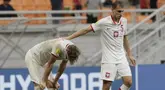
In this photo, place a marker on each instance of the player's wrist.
(129, 54)
(55, 81)
(42, 84)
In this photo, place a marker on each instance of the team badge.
(115, 33)
(107, 74)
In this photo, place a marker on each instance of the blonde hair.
(73, 53)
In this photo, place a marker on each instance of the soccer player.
(45, 54)
(114, 44)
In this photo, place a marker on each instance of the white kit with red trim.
(112, 34)
(57, 47)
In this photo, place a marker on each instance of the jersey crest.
(115, 33)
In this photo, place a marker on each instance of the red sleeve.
(92, 28)
(54, 55)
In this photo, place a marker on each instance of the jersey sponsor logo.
(87, 79)
(107, 74)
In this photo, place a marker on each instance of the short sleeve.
(97, 26)
(56, 50)
(125, 27)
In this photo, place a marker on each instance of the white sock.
(110, 88)
(37, 88)
(124, 87)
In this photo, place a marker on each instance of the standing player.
(46, 53)
(114, 41)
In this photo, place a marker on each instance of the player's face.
(117, 12)
(71, 55)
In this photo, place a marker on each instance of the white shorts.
(36, 71)
(112, 71)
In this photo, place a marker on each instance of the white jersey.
(112, 35)
(57, 47)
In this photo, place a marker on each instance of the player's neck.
(115, 19)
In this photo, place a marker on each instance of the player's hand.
(57, 85)
(42, 85)
(133, 61)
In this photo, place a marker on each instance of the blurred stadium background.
(39, 20)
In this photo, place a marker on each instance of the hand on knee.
(37, 87)
(51, 89)
(50, 84)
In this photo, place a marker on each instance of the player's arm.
(60, 71)
(93, 27)
(127, 46)
(80, 33)
(48, 67)
(128, 50)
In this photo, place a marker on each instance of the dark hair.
(115, 4)
(73, 53)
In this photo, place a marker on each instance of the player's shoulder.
(104, 20)
(60, 40)
(123, 19)
(68, 42)
(63, 41)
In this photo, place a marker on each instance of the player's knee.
(128, 83)
(50, 84)
(106, 84)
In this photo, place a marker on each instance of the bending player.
(40, 59)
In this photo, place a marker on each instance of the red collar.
(114, 20)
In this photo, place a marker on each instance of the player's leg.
(106, 85)
(36, 86)
(124, 71)
(50, 84)
(51, 89)
(34, 70)
(127, 82)
(36, 81)
(108, 73)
